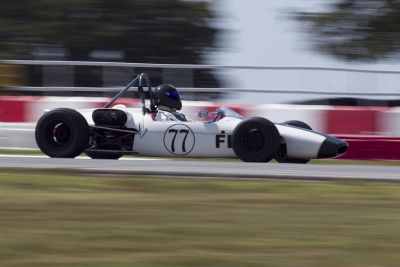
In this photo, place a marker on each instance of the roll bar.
(141, 92)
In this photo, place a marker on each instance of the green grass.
(56, 219)
(327, 162)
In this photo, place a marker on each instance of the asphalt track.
(205, 169)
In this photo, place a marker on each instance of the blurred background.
(163, 32)
(357, 35)
(331, 63)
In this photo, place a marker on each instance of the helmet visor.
(172, 95)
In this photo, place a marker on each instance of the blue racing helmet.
(167, 95)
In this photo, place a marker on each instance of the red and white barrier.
(369, 147)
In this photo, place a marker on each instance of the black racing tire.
(95, 155)
(256, 140)
(62, 133)
(299, 124)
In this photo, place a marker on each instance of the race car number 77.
(173, 139)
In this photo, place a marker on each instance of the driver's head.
(166, 95)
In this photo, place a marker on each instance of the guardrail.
(190, 66)
(180, 66)
(196, 90)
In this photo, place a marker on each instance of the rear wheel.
(256, 140)
(62, 133)
(282, 155)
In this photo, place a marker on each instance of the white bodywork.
(204, 139)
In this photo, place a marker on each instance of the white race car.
(109, 133)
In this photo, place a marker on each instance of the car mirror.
(203, 114)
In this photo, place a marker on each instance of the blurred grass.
(318, 161)
(58, 219)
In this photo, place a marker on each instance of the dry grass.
(53, 219)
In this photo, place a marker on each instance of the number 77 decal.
(173, 139)
(184, 139)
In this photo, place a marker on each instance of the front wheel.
(62, 133)
(256, 140)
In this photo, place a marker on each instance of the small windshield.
(230, 113)
(222, 112)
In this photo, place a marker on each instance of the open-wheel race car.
(111, 132)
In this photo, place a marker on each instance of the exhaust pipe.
(332, 147)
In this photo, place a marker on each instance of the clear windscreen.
(231, 113)
(224, 111)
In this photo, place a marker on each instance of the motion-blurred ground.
(54, 219)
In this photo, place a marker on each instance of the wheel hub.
(61, 134)
(254, 140)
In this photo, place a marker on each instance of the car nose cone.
(332, 147)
